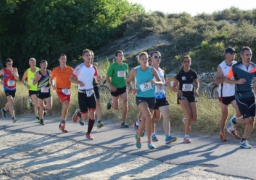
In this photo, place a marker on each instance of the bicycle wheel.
(215, 93)
(104, 94)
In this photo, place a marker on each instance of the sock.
(90, 126)
(186, 136)
(63, 121)
(13, 117)
(98, 121)
(137, 124)
(153, 134)
(167, 135)
(234, 121)
(37, 117)
(243, 139)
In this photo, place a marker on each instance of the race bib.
(145, 86)
(121, 73)
(11, 83)
(159, 89)
(31, 80)
(187, 87)
(44, 89)
(66, 91)
(89, 92)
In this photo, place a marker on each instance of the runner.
(83, 75)
(186, 94)
(29, 74)
(226, 92)
(145, 95)
(62, 75)
(161, 105)
(10, 76)
(118, 72)
(42, 79)
(243, 72)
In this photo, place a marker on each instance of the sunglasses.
(157, 57)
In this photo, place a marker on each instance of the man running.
(243, 73)
(62, 75)
(83, 75)
(29, 74)
(226, 92)
(118, 72)
(42, 79)
(161, 105)
(10, 76)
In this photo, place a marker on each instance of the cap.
(230, 50)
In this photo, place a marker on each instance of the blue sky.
(194, 7)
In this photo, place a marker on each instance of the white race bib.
(66, 91)
(31, 80)
(121, 73)
(145, 86)
(11, 83)
(187, 87)
(44, 89)
(89, 92)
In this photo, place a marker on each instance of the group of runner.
(234, 80)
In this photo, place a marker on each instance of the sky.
(194, 7)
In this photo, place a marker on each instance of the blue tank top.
(145, 88)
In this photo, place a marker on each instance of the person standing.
(118, 72)
(226, 91)
(42, 79)
(10, 76)
(29, 74)
(83, 75)
(62, 85)
(243, 73)
(186, 79)
(161, 105)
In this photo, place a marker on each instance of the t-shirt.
(118, 74)
(85, 75)
(9, 80)
(62, 77)
(239, 71)
(186, 81)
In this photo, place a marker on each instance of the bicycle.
(210, 90)
(104, 90)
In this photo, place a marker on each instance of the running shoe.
(45, 112)
(170, 139)
(89, 137)
(100, 124)
(230, 126)
(223, 137)
(41, 122)
(124, 125)
(76, 115)
(109, 104)
(235, 134)
(14, 119)
(3, 112)
(186, 140)
(136, 127)
(81, 122)
(62, 127)
(244, 144)
(138, 142)
(154, 138)
(29, 103)
(151, 145)
(183, 120)
(37, 119)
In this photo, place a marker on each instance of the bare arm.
(36, 79)
(158, 80)
(230, 81)
(24, 77)
(219, 76)
(129, 79)
(74, 80)
(175, 89)
(15, 74)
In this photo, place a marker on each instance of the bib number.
(121, 73)
(145, 86)
(187, 87)
(11, 83)
(44, 89)
(31, 80)
(89, 92)
(66, 91)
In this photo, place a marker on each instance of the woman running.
(186, 79)
(145, 95)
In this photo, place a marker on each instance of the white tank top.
(225, 89)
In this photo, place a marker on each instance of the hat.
(230, 50)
